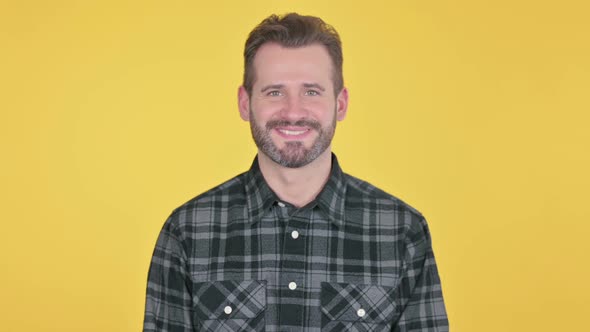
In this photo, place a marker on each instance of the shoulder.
(362, 193)
(364, 197)
(225, 198)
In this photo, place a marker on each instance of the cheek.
(323, 109)
(261, 112)
(267, 105)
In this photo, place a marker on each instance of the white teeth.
(292, 132)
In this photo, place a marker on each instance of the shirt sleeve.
(168, 306)
(420, 288)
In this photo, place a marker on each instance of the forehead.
(275, 62)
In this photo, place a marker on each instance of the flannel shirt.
(237, 258)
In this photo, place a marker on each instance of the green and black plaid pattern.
(239, 303)
(342, 302)
(236, 258)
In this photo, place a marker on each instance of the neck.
(297, 186)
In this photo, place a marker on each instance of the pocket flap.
(350, 302)
(229, 299)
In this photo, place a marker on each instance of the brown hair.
(293, 30)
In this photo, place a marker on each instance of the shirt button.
(361, 312)
(294, 234)
(281, 204)
(292, 285)
(227, 310)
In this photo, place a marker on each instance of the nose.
(294, 109)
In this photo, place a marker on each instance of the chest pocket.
(230, 306)
(350, 307)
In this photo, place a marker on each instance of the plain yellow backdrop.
(115, 112)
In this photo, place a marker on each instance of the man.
(294, 244)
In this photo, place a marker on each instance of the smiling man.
(294, 243)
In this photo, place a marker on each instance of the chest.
(306, 244)
(289, 271)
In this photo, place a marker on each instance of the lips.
(298, 130)
(292, 133)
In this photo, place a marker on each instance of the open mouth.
(291, 133)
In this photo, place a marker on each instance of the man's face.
(292, 108)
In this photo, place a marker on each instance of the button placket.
(293, 266)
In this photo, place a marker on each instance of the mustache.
(299, 123)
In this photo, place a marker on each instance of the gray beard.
(294, 154)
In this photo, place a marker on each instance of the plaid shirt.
(236, 258)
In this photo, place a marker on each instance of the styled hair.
(293, 30)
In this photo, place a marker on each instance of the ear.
(244, 103)
(342, 104)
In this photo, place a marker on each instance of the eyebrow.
(314, 85)
(272, 86)
(280, 86)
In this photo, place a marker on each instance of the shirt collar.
(330, 200)
(333, 196)
(259, 196)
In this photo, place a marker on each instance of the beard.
(294, 154)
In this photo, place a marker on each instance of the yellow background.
(474, 112)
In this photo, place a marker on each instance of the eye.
(312, 93)
(274, 93)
